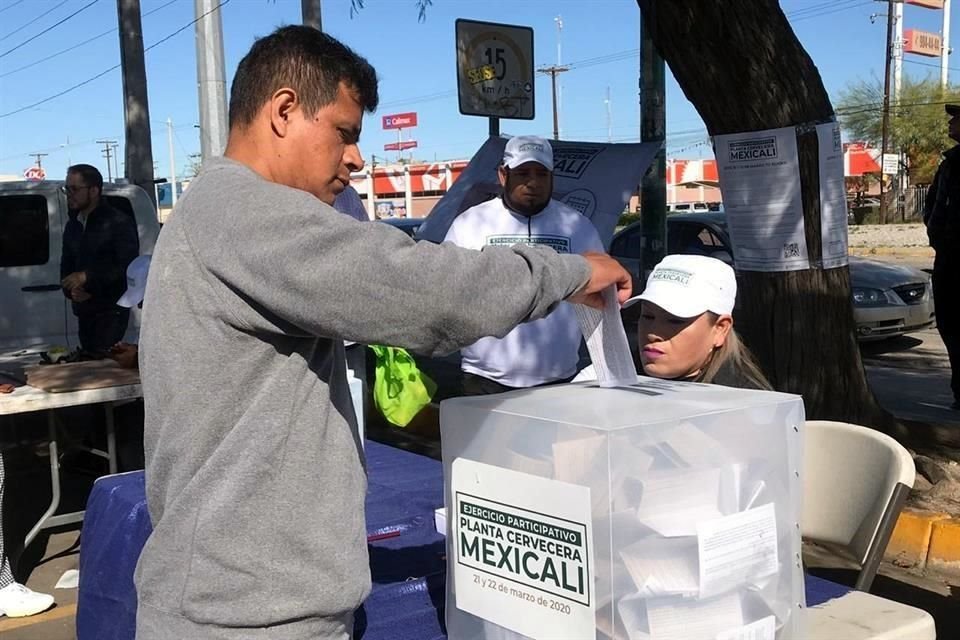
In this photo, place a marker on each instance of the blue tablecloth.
(408, 571)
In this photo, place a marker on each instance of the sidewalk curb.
(926, 540)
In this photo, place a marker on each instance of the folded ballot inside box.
(660, 511)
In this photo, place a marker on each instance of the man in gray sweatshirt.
(255, 480)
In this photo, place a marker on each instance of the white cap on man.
(136, 282)
(523, 149)
(686, 286)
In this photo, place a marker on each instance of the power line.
(928, 64)
(824, 8)
(42, 15)
(11, 6)
(50, 28)
(114, 67)
(78, 45)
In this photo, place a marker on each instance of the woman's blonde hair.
(735, 354)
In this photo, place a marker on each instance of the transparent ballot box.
(659, 511)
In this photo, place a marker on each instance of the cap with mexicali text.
(523, 149)
(686, 286)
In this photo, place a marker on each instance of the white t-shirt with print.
(536, 352)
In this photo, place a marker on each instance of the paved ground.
(909, 377)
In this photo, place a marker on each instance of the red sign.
(929, 4)
(400, 146)
(400, 121)
(35, 174)
(921, 43)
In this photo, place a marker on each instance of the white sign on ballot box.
(524, 555)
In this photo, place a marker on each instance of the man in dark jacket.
(98, 244)
(942, 216)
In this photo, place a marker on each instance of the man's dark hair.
(90, 174)
(308, 61)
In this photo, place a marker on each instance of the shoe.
(17, 601)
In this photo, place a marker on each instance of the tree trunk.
(740, 64)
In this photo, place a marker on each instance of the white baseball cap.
(136, 282)
(686, 286)
(523, 149)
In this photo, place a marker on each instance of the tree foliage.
(918, 124)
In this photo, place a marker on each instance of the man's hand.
(604, 271)
(124, 354)
(73, 286)
(75, 280)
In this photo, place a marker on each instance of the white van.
(33, 310)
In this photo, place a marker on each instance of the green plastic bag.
(400, 389)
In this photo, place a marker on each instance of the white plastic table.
(862, 616)
(25, 399)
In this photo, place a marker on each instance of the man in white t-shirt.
(547, 350)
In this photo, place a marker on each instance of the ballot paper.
(607, 341)
(633, 615)
(689, 619)
(663, 566)
(737, 549)
(578, 460)
(676, 500)
(688, 446)
(764, 629)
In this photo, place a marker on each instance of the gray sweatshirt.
(255, 480)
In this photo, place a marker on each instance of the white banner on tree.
(596, 179)
(833, 197)
(760, 181)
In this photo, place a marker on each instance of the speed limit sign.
(495, 70)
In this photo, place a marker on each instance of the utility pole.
(945, 44)
(310, 10)
(552, 71)
(173, 163)
(609, 117)
(108, 153)
(653, 127)
(559, 99)
(897, 50)
(211, 79)
(116, 159)
(138, 146)
(885, 122)
(38, 156)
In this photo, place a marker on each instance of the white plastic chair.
(854, 485)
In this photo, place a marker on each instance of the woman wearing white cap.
(685, 331)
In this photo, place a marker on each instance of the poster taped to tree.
(833, 197)
(760, 182)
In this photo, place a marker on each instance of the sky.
(415, 61)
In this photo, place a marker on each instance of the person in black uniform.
(98, 244)
(942, 216)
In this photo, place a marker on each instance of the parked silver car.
(888, 300)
